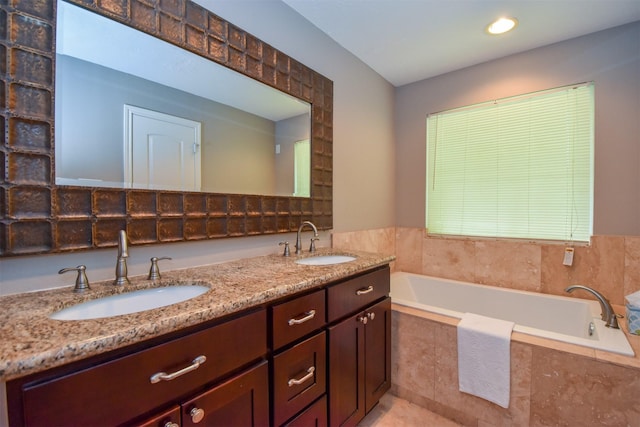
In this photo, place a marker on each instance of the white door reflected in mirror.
(161, 150)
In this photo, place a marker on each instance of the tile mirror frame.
(36, 216)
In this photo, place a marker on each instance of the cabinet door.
(378, 352)
(241, 401)
(346, 372)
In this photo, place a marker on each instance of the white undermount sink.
(326, 260)
(129, 302)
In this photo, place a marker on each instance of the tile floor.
(392, 411)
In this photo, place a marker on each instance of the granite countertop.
(32, 342)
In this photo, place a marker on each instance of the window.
(302, 168)
(519, 167)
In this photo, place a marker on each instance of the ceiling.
(409, 40)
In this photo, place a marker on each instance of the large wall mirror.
(240, 144)
(188, 124)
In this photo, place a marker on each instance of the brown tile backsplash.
(29, 169)
(30, 101)
(29, 135)
(31, 67)
(195, 204)
(27, 189)
(170, 204)
(28, 31)
(142, 203)
(24, 235)
(105, 232)
(170, 230)
(29, 202)
(195, 228)
(73, 234)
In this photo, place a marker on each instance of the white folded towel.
(484, 362)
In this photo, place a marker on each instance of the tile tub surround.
(551, 384)
(31, 342)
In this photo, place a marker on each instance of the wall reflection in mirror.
(133, 111)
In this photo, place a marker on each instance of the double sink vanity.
(272, 340)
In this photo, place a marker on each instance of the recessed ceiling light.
(502, 25)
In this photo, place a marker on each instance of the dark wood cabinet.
(120, 390)
(299, 377)
(359, 351)
(299, 361)
(313, 359)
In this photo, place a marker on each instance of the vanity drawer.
(299, 377)
(352, 295)
(296, 318)
(116, 391)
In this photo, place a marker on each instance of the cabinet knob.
(363, 319)
(171, 424)
(371, 315)
(197, 415)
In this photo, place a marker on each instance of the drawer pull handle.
(307, 316)
(365, 290)
(309, 375)
(163, 376)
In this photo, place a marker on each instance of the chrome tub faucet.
(121, 263)
(608, 315)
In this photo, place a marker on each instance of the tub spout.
(608, 315)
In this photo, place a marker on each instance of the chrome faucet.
(121, 264)
(312, 248)
(608, 315)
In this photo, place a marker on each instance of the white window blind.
(519, 167)
(302, 168)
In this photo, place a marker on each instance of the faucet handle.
(287, 252)
(154, 271)
(312, 248)
(82, 282)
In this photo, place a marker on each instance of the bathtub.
(548, 316)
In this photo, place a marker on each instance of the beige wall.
(609, 58)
